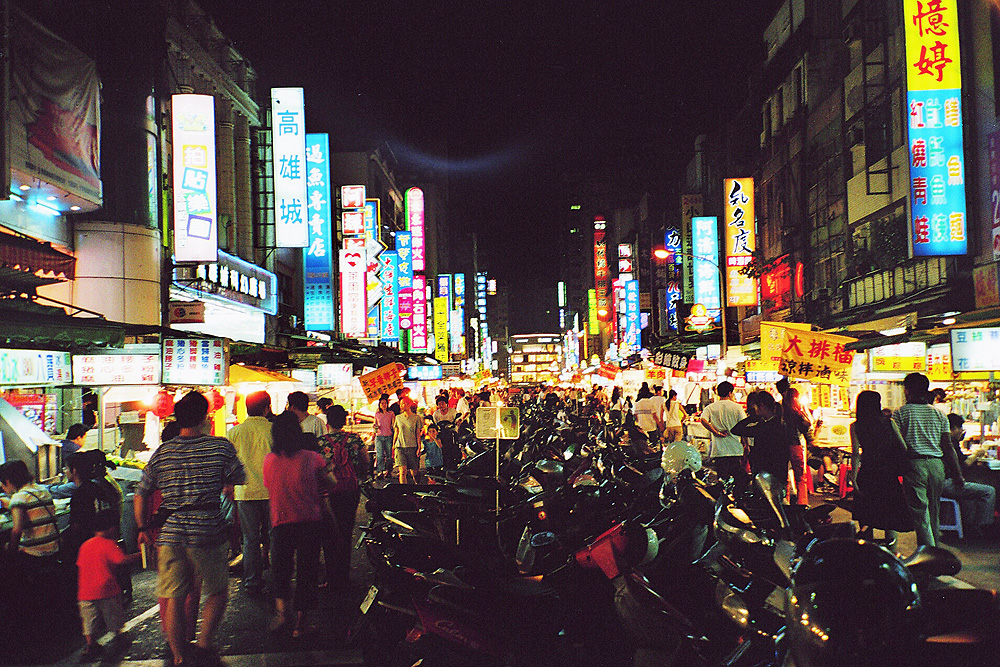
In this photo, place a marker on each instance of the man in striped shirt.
(927, 435)
(192, 472)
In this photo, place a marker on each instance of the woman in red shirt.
(294, 478)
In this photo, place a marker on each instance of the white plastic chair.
(956, 514)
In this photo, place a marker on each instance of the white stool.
(956, 513)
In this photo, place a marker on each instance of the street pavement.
(244, 641)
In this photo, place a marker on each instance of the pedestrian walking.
(298, 403)
(771, 440)
(294, 478)
(407, 428)
(799, 423)
(192, 472)
(252, 441)
(719, 417)
(382, 429)
(347, 460)
(878, 458)
(648, 415)
(99, 595)
(674, 419)
(925, 431)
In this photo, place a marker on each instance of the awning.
(240, 374)
(30, 256)
(24, 323)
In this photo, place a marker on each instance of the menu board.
(34, 368)
(334, 375)
(105, 370)
(194, 362)
(975, 349)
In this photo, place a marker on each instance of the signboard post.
(498, 423)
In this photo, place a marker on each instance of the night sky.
(509, 95)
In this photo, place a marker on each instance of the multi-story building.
(535, 358)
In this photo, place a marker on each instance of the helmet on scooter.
(851, 603)
(679, 456)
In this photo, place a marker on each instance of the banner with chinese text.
(817, 357)
(741, 239)
(770, 342)
(384, 380)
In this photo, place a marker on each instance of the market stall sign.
(424, 372)
(901, 357)
(939, 363)
(656, 374)
(609, 371)
(194, 362)
(34, 368)
(975, 349)
(498, 423)
(106, 370)
(817, 357)
(383, 380)
(770, 342)
(334, 375)
(677, 361)
(234, 280)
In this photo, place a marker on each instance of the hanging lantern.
(163, 404)
(215, 400)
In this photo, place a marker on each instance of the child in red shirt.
(98, 592)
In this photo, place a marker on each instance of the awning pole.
(100, 417)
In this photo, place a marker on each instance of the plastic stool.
(956, 513)
(845, 466)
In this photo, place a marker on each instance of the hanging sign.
(34, 368)
(415, 225)
(390, 296)
(289, 145)
(353, 288)
(384, 380)
(107, 370)
(195, 207)
(194, 362)
(705, 234)
(934, 103)
(740, 225)
(318, 260)
(404, 249)
(817, 357)
(770, 342)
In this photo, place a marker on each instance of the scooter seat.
(933, 562)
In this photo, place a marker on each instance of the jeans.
(295, 547)
(337, 546)
(383, 453)
(254, 520)
(977, 501)
(923, 481)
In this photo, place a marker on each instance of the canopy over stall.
(23, 440)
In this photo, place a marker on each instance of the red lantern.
(215, 400)
(163, 405)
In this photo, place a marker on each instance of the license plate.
(369, 599)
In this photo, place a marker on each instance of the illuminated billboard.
(415, 224)
(353, 290)
(601, 271)
(352, 196)
(632, 322)
(373, 248)
(195, 213)
(418, 332)
(741, 239)
(934, 104)
(318, 258)
(404, 277)
(705, 241)
(441, 329)
(593, 326)
(389, 262)
(289, 144)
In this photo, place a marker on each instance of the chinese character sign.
(692, 206)
(373, 248)
(631, 339)
(770, 342)
(390, 296)
(934, 129)
(384, 380)
(816, 357)
(418, 332)
(593, 326)
(404, 248)
(705, 241)
(993, 151)
(195, 213)
(352, 196)
(353, 292)
(194, 362)
(290, 171)
(975, 349)
(318, 258)
(441, 347)
(415, 224)
(740, 221)
(601, 271)
(116, 369)
(899, 358)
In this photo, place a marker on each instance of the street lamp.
(664, 254)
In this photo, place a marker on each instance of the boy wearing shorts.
(98, 591)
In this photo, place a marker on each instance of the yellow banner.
(932, 50)
(441, 329)
(741, 239)
(816, 357)
(656, 373)
(939, 363)
(770, 342)
(383, 380)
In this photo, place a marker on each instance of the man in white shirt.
(298, 403)
(718, 418)
(462, 407)
(252, 440)
(659, 406)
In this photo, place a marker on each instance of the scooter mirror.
(765, 483)
(543, 539)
